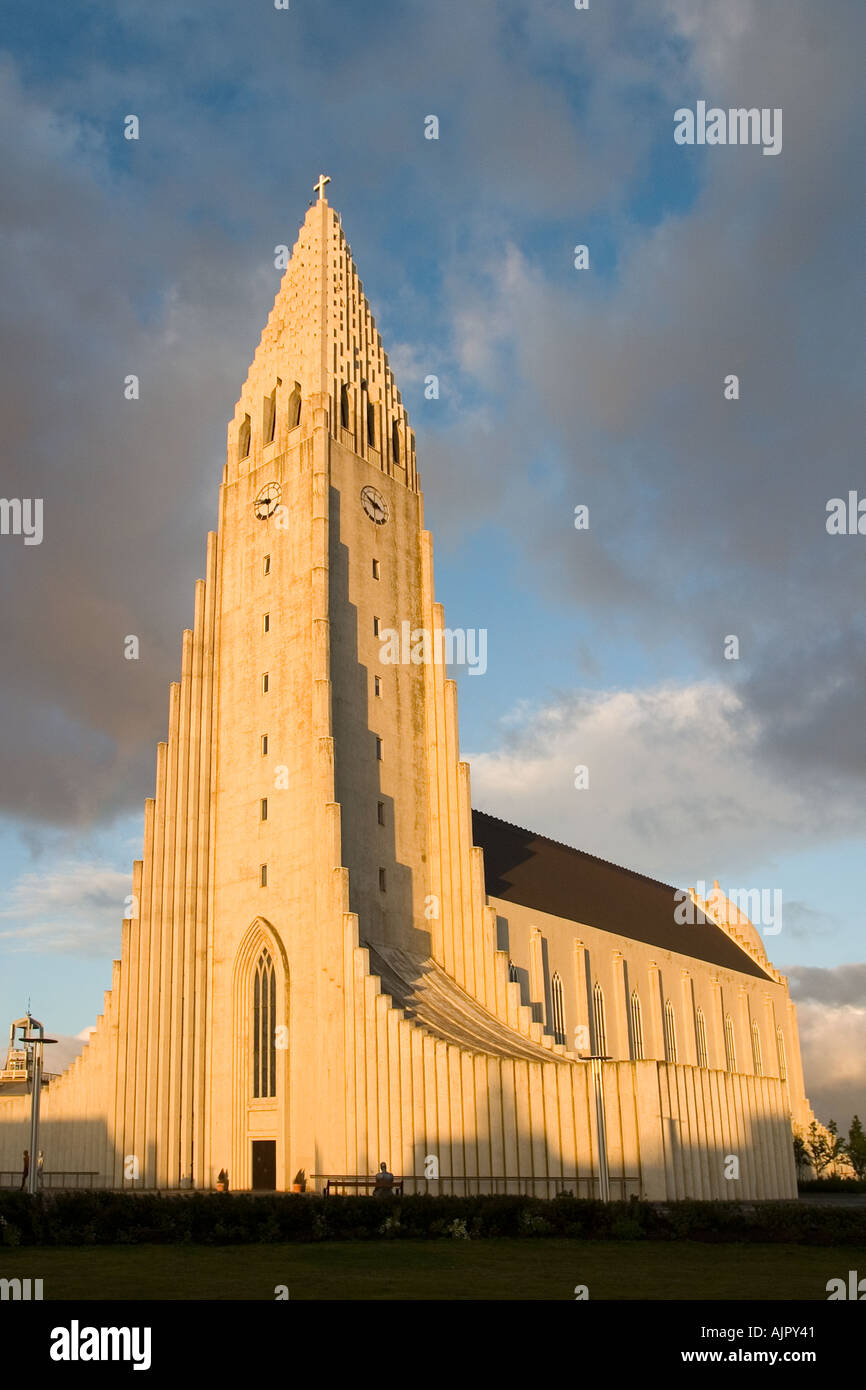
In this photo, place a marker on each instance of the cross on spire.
(320, 186)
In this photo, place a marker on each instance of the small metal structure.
(24, 1064)
(16, 1058)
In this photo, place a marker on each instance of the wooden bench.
(335, 1182)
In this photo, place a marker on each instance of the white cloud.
(76, 909)
(677, 788)
(65, 1050)
(408, 363)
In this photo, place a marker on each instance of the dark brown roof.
(525, 868)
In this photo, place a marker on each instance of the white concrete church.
(334, 961)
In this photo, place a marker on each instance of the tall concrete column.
(716, 1029)
(536, 977)
(655, 1031)
(746, 1062)
(688, 1051)
(770, 1048)
(620, 1008)
(581, 1040)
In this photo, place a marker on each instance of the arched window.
(701, 1035)
(757, 1058)
(269, 418)
(730, 1049)
(293, 411)
(599, 1020)
(264, 1028)
(670, 1033)
(395, 442)
(512, 972)
(344, 407)
(371, 424)
(637, 1050)
(558, 1009)
(244, 438)
(780, 1048)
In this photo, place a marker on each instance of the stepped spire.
(320, 349)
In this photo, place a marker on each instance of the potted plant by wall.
(222, 1181)
(300, 1181)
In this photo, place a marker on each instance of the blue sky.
(557, 387)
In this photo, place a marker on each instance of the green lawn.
(441, 1269)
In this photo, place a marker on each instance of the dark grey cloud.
(840, 984)
(833, 1044)
(707, 515)
(128, 488)
(155, 259)
(805, 923)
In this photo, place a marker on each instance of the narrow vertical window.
(264, 808)
(730, 1049)
(293, 412)
(670, 1033)
(371, 425)
(757, 1057)
(701, 1036)
(265, 683)
(513, 976)
(599, 1019)
(264, 1028)
(375, 569)
(244, 438)
(266, 565)
(269, 418)
(780, 1048)
(395, 442)
(377, 685)
(375, 627)
(266, 622)
(263, 876)
(380, 812)
(558, 1000)
(637, 1048)
(264, 745)
(382, 880)
(344, 407)
(378, 748)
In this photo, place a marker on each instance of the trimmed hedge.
(204, 1218)
(833, 1185)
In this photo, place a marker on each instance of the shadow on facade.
(78, 1153)
(386, 914)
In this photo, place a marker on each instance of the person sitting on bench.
(384, 1181)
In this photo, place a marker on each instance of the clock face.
(267, 501)
(374, 505)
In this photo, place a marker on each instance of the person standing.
(25, 1175)
(40, 1165)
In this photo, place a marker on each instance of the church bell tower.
(323, 775)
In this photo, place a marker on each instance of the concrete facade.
(309, 870)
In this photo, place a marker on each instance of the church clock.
(374, 505)
(267, 501)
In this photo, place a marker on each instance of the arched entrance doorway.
(260, 1067)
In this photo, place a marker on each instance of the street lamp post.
(35, 1039)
